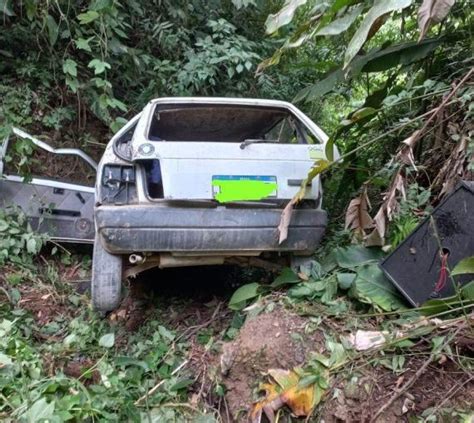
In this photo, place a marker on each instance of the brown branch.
(443, 103)
(412, 380)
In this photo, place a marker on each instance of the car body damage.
(188, 181)
(196, 181)
(62, 210)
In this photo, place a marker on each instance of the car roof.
(224, 101)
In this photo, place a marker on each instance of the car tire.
(106, 279)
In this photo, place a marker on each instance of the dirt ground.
(358, 399)
(274, 338)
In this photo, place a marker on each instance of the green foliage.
(111, 57)
(34, 382)
(372, 287)
(465, 266)
(354, 268)
(412, 208)
(18, 242)
(244, 293)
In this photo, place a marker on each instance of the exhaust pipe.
(136, 259)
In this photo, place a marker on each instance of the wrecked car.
(200, 181)
(188, 181)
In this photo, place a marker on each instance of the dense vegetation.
(391, 82)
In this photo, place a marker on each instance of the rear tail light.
(118, 185)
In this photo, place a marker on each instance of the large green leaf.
(243, 294)
(440, 305)
(377, 60)
(6, 8)
(107, 340)
(356, 255)
(286, 277)
(41, 410)
(345, 280)
(320, 88)
(400, 54)
(53, 29)
(340, 25)
(465, 266)
(284, 16)
(380, 8)
(372, 287)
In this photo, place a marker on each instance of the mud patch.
(442, 389)
(278, 339)
(45, 305)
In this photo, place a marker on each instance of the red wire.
(442, 273)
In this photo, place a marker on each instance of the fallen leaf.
(285, 389)
(318, 167)
(405, 155)
(357, 216)
(432, 11)
(399, 382)
(408, 405)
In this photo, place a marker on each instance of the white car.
(196, 181)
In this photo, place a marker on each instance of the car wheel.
(106, 279)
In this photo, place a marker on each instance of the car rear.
(210, 177)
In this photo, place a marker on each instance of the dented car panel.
(210, 175)
(195, 230)
(62, 210)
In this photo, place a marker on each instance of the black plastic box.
(415, 266)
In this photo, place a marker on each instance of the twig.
(404, 388)
(6, 294)
(156, 387)
(443, 103)
(189, 332)
(453, 391)
(412, 380)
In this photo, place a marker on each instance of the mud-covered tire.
(106, 279)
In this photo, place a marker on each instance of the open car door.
(60, 209)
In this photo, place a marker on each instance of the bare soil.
(267, 341)
(442, 386)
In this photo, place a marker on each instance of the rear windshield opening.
(154, 181)
(218, 123)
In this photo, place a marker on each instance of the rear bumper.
(127, 229)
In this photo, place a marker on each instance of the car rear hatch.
(227, 153)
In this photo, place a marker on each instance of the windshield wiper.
(256, 141)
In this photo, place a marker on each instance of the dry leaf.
(432, 11)
(453, 168)
(285, 390)
(318, 167)
(285, 220)
(399, 382)
(387, 210)
(357, 215)
(405, 155)
(392, 204)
